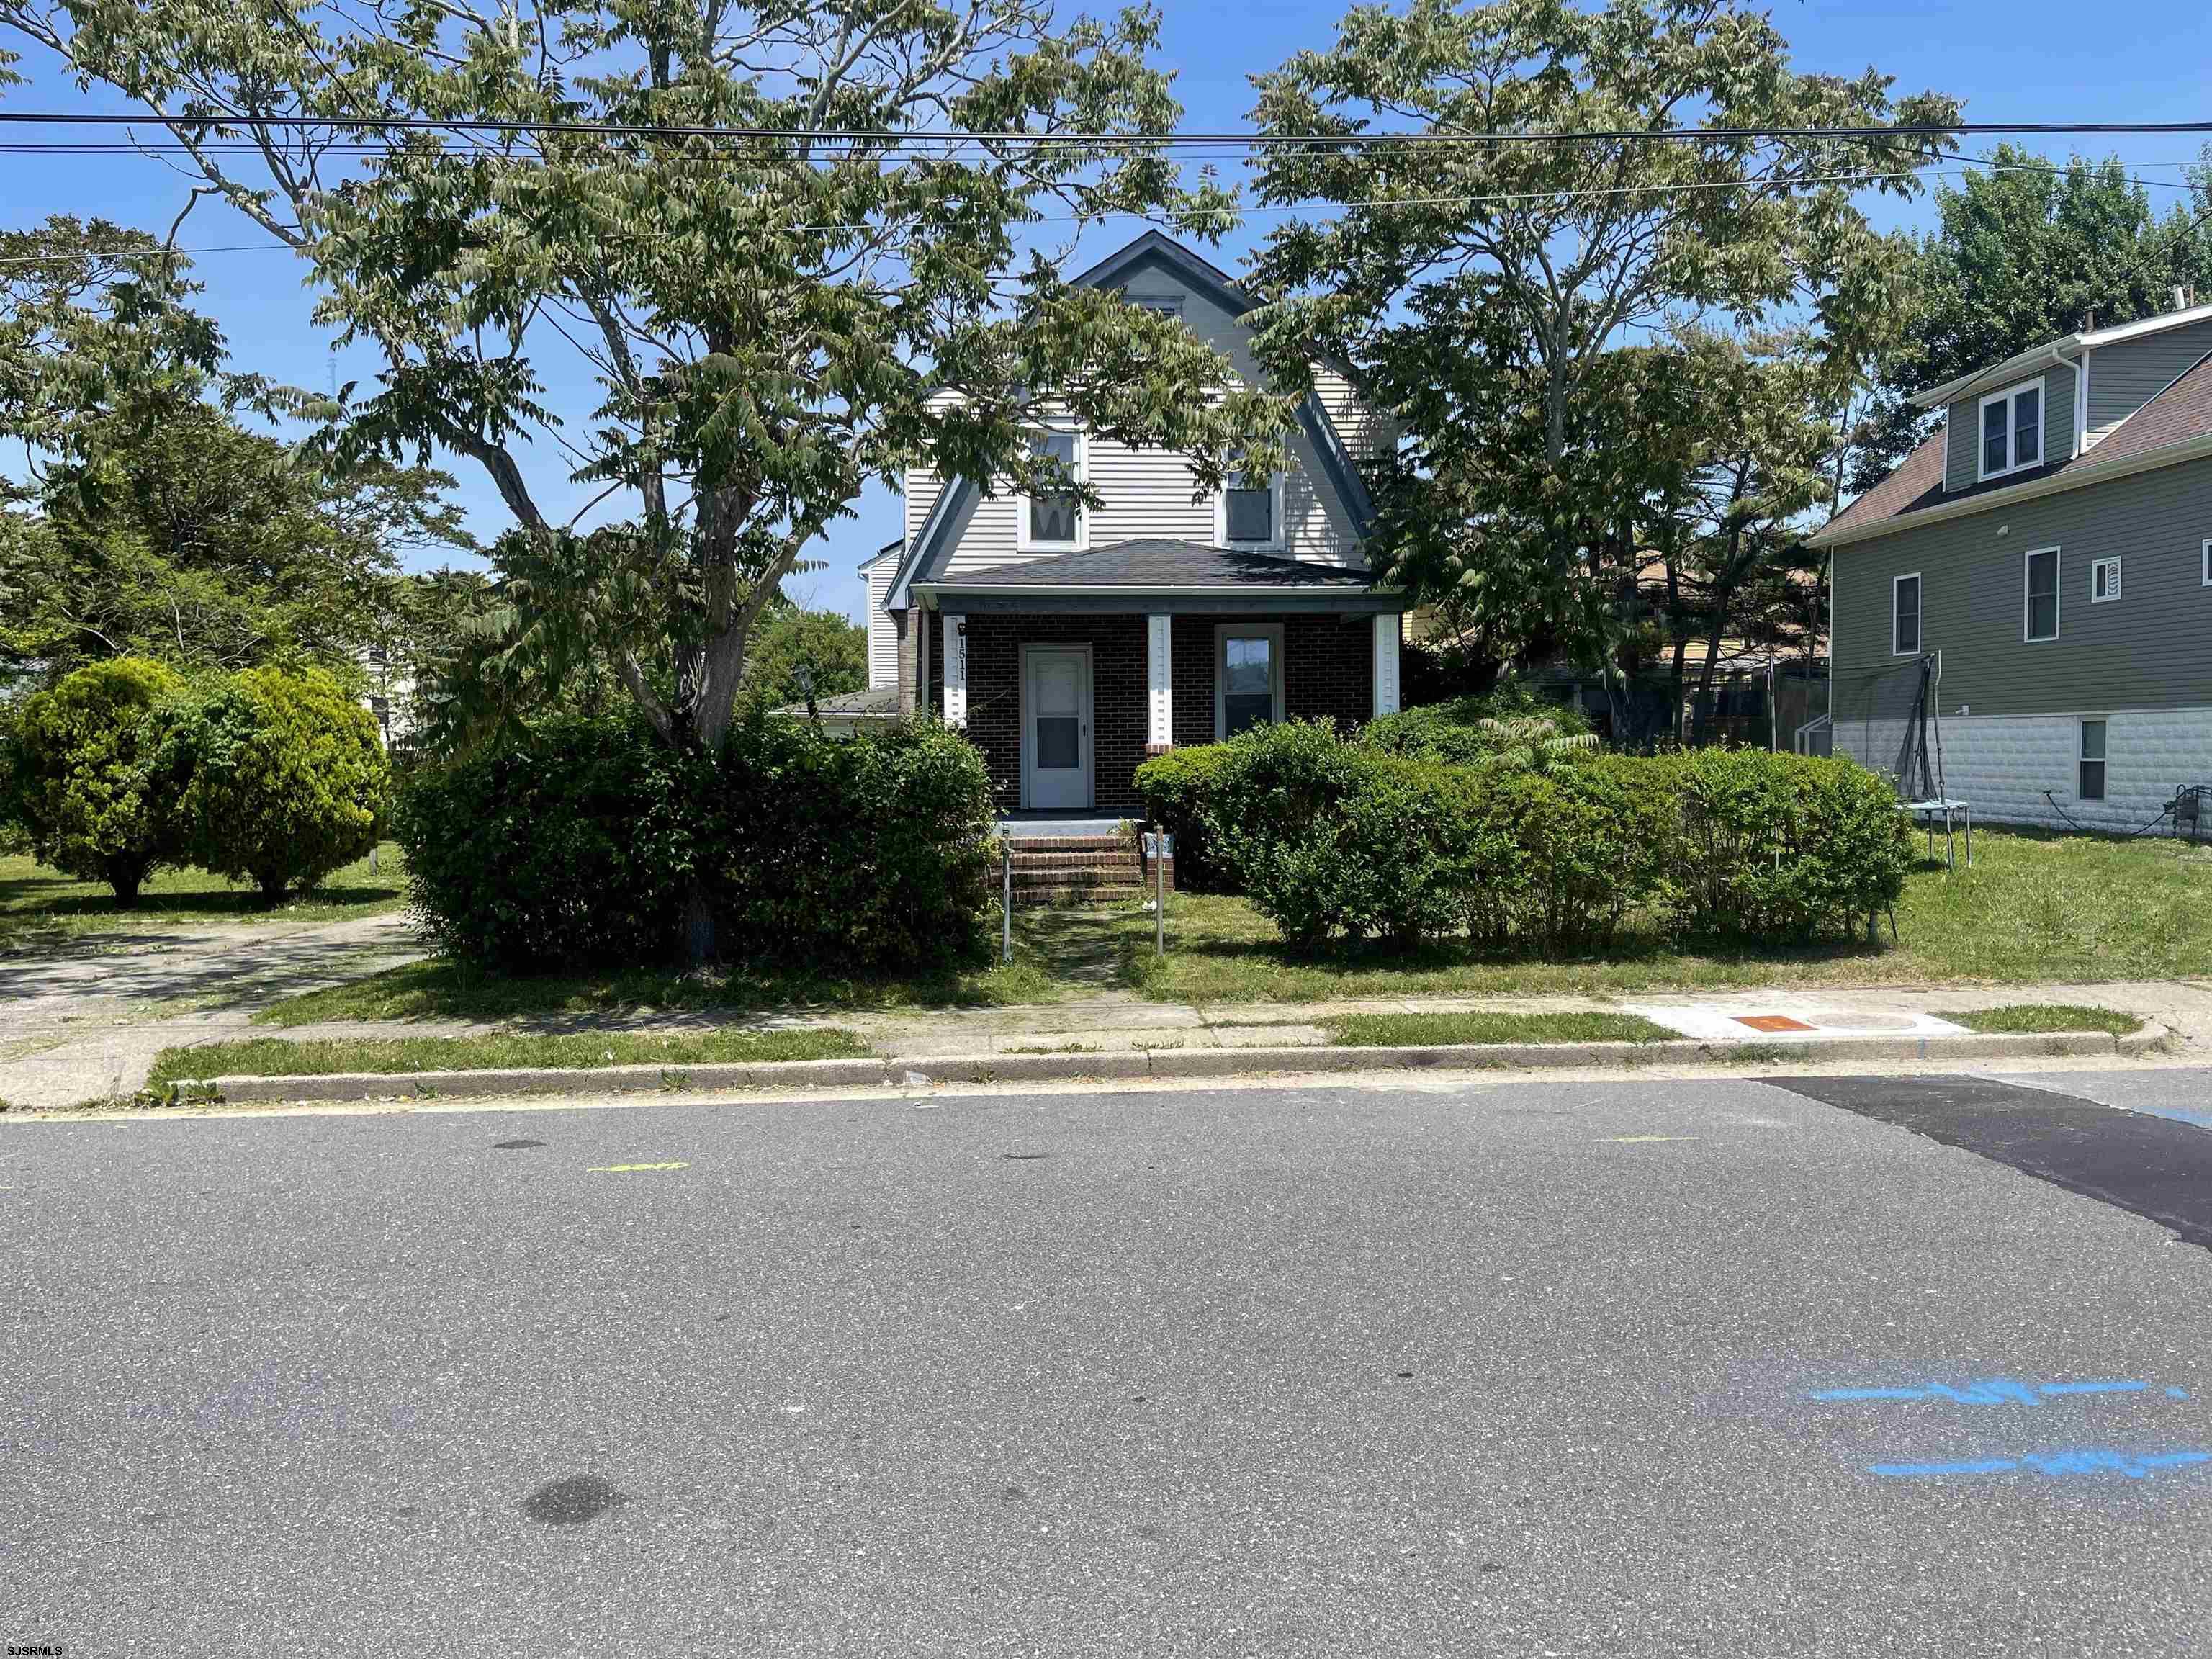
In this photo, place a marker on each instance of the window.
(1247, 677)
(1904, 616)
(1054, 523)
(2041, 621)
(2208, 564)
(2012, 430)
(2104, 580)
(1168, 305)
(2091, 785)
(1250, 513)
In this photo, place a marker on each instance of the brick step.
(1067, 843)
(1074, 895)
(1120, 859)
(1026, 881)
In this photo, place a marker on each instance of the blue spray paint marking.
(2073, 1460)
(1994, 1391)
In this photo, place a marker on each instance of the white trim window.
(2206, 570)
(1904, 616)
(1056, 523)
(2089, 784)
(2040, 595)
(1248, 514)
(2010, 430)
(2104, 580)
(1248, 677)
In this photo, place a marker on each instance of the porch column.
(1386, 664)
(955, 669)
(1159, 684)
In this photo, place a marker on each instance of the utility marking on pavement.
(631, 1168)
(1773, 1023)
(1993, 1391)
(1642, 1140)
(2073, 1460)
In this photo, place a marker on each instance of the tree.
(834, 651)
(1482, 290)
(287, 779)
(91, 778)
(2024, 252)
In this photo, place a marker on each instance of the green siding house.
(2043, 565)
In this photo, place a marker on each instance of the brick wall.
(1329, 667)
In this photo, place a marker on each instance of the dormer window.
(1052, 523)
(1168, 305)
(2012, 430)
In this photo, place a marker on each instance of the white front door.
(1056, 726)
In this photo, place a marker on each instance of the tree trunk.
(272, 884)
(698, 924)
(125, 876)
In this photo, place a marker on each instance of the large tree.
(2024, 252)
(1482, 285)
(771, 319)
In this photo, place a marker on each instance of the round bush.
(89, 777)
(288, 778)
(1177, 787)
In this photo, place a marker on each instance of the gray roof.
(1157, 562)
(876, 700)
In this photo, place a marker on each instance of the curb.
(1163, 1063)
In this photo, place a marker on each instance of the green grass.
(503, 1051)
(40, 905)
(2045, 1017)
(2035, 908)
(1428, 1031)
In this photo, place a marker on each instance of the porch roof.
(1158, 573)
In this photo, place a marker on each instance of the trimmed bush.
(1177, 787)
(572, 844)
(288, 778)
(89, 774)
(578, 843)
(1468, 731)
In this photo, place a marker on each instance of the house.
(2044, 561)
(1072, 643)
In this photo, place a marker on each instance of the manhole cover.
(1773, 1023)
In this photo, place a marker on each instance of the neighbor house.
(2047, 554)
(1071, 642)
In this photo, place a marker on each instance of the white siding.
(882, 637)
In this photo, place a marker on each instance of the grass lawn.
(2046, 1016)
(41, 905)
(2035, 908)
(1425, 1030)
(276, 1057)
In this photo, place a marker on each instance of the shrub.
(89, 778)
(1591, 843)
(1177, 789)
(1470, 730)
(288, 778)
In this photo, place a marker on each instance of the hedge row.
(1337, 840)
(268, 777)
(581, 843)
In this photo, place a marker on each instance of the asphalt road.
(1522, 1367)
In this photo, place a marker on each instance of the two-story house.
(1072, 641)
(2048, 554)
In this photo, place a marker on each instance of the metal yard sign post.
(1159, 847)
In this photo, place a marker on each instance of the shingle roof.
(876, 699)
(1157, 562)
(2182, 411)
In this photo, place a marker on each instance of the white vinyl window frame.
(1275, 542)
(1026, 542)
(2083, 760)
(2104, 580)
(2009, 397)
(1897, 645)
(2205, 569)
(1225, 632)
(2028, 634)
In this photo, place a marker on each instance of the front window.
(2092, 785)
(1248, 678)
(2042, 621)
(1904, 617)
(2012, 430)
(1054, 520)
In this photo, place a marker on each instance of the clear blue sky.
(2025, 60)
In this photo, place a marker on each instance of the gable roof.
(1161, 562)
(2066, 348)
(1150, 251)
(2173, 427)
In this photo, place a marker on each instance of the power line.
(896, 138)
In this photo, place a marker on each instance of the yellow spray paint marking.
(631, 1168)
(1639, 1140)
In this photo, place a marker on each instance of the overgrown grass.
(502, 1051)
(1425, 1030)
(41, 905)
(2035, 908)
(2045, 1017)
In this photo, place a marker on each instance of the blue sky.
(2024, 60)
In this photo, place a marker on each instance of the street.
(1449, 1366)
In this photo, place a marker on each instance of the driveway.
(1708, 1367)
(87, 1020)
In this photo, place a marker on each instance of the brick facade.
(1327, 670)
